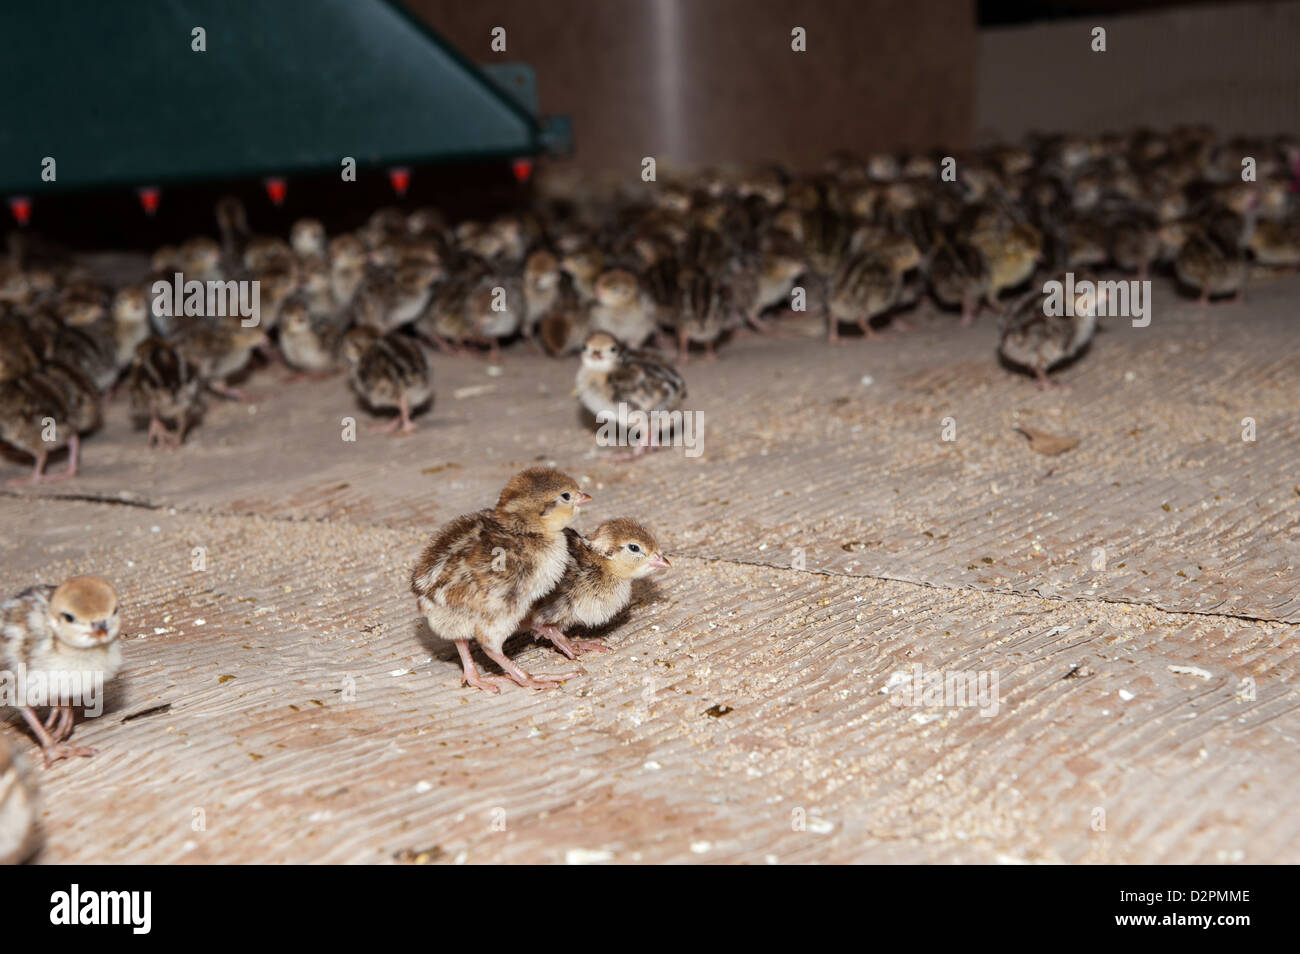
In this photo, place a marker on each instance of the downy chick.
(495, 310)
(781, 266)
(1037, 341)
(1208, 264)
(130, 323)
(1134, 240)
(19, 805)
(959, 275)
(164, 387)
(26, 404)
(45, 409)
(81, 399)
(621, 309)
(481, 573)
(1277, 243)
(705, 311)
(348, 264)
(391, 297)
(68, 629)
(613, 376)
(870, 283)
(310, 340)
(389, 371)
(308, 240)
(541, 289)
(218, 348)
(597, 583)
(1012, 256)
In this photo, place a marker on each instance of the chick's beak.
(100, 628)
(582, 498)
(659, 560)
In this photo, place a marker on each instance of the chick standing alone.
(69, 629)
(597, 583)
(615, 379)
(478, 578)
(164, 387)
(1038, 341)
(389, 371)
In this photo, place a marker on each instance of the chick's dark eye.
(566, 496)
(634, 548)
(69, 617)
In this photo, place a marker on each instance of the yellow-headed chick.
(480, 575)
(68, 630)
(597, 584)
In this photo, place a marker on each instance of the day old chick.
(218, 348)
(69, 631)
(480, 575)
(389, 371)
(35, 416)
(613, 376)
(1211, 264)
(18, 805)
(705, 311)
(164, 387)
(597, 583)
(310, 340)
(870, 283)
(621, 309)
(959, 275)
(1038, 341)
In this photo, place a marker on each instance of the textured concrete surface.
(1137, 599)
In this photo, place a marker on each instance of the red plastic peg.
(149, 196)
(21, 206)
(276, 189)
(400, 178)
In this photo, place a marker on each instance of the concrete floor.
(827, 541)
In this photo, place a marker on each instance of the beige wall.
(1236, 67)
(700, 81)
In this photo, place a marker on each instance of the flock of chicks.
(517, 566)
(688, 263)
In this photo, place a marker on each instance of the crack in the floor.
(1032, 593)
(1000, 591)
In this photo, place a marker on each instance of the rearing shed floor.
(826, 541)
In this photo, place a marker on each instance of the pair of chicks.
(68, 633)
(518, 565)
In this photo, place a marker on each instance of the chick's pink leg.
(38, 471)
(407, 425)
(63, 728)
(59, 722)
(470, 677)
(74, 459)
(51, 749)
(573, 648)
(546, 680)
